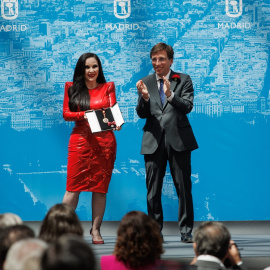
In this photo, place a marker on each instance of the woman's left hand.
(118, 128)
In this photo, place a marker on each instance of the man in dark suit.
(214, 248)
(165, 99)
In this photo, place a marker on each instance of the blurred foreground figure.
(70, 252)
(10, 235)
(138, 246)
(214, 248)
(61, 219)
(9, 219)
(25, 255)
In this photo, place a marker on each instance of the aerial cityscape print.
(223, 45)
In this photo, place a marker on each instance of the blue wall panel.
(223, 45)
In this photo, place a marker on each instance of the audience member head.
(212, 238)
(60, 219)
(69, 252)
(139, 242)
(25, 255)
(9, 219)
(9, 236)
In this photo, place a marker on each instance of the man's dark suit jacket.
(171, 117)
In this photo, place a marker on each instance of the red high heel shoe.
(96, 242)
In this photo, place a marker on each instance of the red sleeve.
(111, 91)
(67, 114)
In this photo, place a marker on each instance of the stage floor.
(252, 238)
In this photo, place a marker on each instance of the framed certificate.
(105, 119)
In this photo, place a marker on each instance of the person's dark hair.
(60, 219)
(160, 47)
(78, 93)
(139, 242)
(212, 238)
(10, 235)
(69, 252)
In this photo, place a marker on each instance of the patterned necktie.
(161, 92)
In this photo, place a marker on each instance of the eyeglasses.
(161, 59)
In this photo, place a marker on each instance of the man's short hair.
(212, 238)
(160, 47)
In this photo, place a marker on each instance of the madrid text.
(234, 25)
(13, 28)
(121, 26)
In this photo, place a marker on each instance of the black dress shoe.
(186, 238)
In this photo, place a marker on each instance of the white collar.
(167, 76)
(210, 258)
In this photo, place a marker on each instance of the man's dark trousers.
(180, 168)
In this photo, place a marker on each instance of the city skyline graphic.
(222, 45)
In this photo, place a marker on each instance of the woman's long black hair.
(78, 93)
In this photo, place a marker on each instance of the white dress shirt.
(158, 84)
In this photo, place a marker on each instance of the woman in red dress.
(91, 156)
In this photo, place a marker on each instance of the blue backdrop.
(223, 45)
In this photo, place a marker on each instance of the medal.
(105, 119)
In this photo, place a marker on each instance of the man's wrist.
(169, 98)
(145, 96)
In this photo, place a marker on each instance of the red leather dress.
(91, 156)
